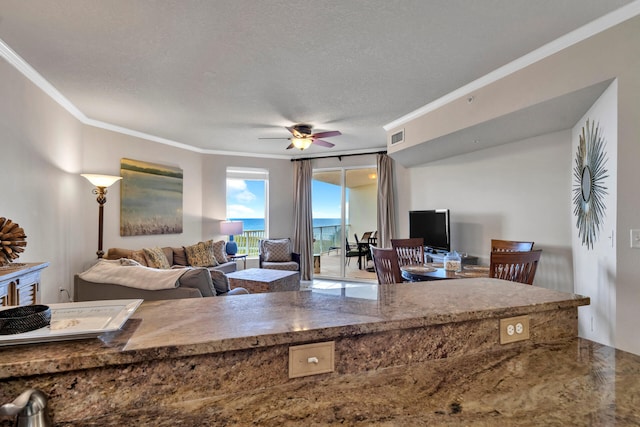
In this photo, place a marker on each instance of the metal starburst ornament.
(589, 174)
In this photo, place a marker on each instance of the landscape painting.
(151, 198)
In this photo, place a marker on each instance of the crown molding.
(594, 27)
(30, 73)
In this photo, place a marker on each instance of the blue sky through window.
(325, 199)
(246, 199)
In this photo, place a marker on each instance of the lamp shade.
(231, 227)
(101, 180)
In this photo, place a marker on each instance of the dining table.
(436, 271)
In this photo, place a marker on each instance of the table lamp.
(230, 228)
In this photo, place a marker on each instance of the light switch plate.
(635, 238)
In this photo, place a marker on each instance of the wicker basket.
(24, 319)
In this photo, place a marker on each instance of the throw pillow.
(139, 257)
(278, 250)
(180, 256)
(157, 258)
(208, 245)
(220, 281)
(201, 255)
(219, 252)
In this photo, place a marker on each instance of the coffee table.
(260, 280)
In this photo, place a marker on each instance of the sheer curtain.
(303, 227)
(386, 203)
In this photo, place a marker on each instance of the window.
(247, 196)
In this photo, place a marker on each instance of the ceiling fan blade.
(322, 143)
(326, 134)
(295, 132)
(290, 146)
(274, 138)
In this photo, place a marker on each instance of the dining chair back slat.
(515, 266)
(510, 246)
(385, 262)
(409, 251)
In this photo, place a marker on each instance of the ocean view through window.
(247, 195)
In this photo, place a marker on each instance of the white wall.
(40, 152)
(363, 210)
(515, 191)
(595, 268)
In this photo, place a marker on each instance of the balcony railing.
(248, 242)
(325, 238)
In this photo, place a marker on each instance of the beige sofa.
(194, 283)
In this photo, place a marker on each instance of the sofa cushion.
(198, 278)
(219, 252)
(287, 266)
(227, 267)
(277, 250)
(168, 253)
(201, 254)
(156, 258)
(220, 281)
(179, 256)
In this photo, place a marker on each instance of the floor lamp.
(101, 182)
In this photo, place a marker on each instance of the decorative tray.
(418, 269)
(473, 273)
(78, 320)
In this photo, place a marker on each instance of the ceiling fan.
(302, 137)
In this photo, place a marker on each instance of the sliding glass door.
(344, 210)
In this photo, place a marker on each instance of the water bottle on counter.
(452, 261)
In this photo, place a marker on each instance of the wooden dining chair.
(515, 266)
(385, 262)
(409, 251)
(510, 246)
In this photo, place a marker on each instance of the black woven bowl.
(24, 319)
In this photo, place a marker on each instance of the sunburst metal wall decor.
(589, 174)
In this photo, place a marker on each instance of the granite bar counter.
(224, 361)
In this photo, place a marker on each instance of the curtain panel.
(303, 227)
(386, 203)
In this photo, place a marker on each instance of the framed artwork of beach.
(151, 198)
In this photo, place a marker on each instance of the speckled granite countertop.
(175, 328)
(576, 383)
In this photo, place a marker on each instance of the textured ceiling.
(218, 75)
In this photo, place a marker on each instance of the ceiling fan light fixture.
(301, 143)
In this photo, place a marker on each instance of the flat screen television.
(433, 227)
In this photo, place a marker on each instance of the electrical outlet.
(514, 329)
